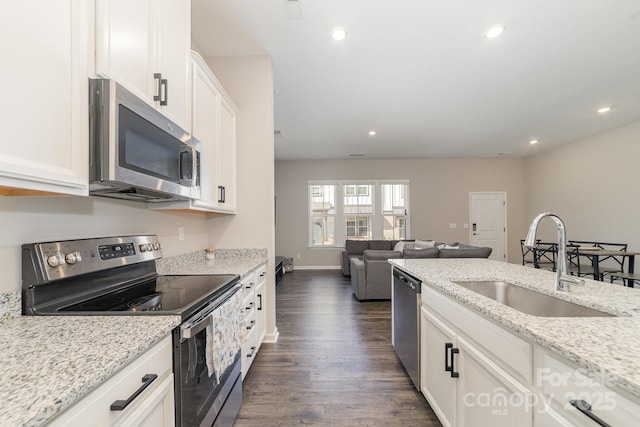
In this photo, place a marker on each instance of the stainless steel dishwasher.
(406, 301)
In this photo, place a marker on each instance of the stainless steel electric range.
(117, 276)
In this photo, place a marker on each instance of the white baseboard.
(272, 337)
(317, 267)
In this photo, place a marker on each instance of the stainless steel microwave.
(135, 152)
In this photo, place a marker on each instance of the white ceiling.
(422, 74)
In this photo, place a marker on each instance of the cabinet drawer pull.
(119, 405)
(584, 407)
(447, 347)
(250, 306)
(253, 350)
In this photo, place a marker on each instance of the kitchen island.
(598, 347)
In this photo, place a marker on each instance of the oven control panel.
(50, 261)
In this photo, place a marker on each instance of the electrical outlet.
(298, 256)
(466, 225)
(180, 234)
(452, 225)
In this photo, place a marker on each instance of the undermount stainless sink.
(528, 301)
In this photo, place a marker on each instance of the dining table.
(595, 254)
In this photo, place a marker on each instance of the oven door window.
(146, 148)
(198, 389)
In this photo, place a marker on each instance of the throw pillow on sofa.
(423, 244)
(421, 253)
(402, 245)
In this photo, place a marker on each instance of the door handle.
(158, 96)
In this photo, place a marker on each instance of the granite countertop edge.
(606, 345)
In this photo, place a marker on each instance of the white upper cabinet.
(227, 157)
(44, 146)
(213, 124)
(206, 128)
(144, 45)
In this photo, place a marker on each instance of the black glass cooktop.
(161, 295)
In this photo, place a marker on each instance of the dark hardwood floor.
(333, 365)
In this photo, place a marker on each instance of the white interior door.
(488, 219)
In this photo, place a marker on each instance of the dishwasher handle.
(411, 282)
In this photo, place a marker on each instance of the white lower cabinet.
(463, 386)
(475, 372)
(255, 320)
(153, 407)
(562, 386)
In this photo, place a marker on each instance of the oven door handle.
(189, 331)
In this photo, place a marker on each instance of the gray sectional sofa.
(356, 248)
(371, 275)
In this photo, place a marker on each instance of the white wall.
(593, 184)
(439, 195)
(249, 82)
(40, 219)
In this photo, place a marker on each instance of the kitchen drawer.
(250, 321)
(249, 350)
(562, 383)
(248, 283)
(248, 304)
(507, 349)
(93, 410)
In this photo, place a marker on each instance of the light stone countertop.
(227, 261)
(48, 363)
(608, 345)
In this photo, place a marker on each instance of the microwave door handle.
(186, 173)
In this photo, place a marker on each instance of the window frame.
(377, 215)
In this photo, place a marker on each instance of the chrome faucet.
(563, 279)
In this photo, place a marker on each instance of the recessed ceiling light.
(339, 34)
(372, 133)
(533, 141)
(495, 31)
(603, 110)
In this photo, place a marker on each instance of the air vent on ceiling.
(293, 9)
(356, 155)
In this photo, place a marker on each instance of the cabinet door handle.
(260, 302)
(454, 374)
(158, 95)
(584, 407)
(447, 347)
(164, 99)
(221, 191)
(119, 405)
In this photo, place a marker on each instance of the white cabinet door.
(44, 146)
(260, 305)
(173, 48)
(144, 45)
(438, 386)
(205, 127)
(485, 394)
(227, 157)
